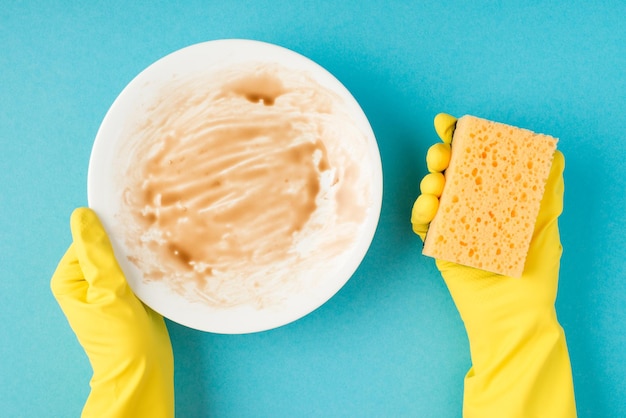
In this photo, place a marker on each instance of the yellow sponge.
(493, 187)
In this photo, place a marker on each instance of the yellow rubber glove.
(520, 363)
(127, 343)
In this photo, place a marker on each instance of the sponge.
(490, 202)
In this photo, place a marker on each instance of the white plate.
(240, 183)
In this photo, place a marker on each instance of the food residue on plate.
(243, 186)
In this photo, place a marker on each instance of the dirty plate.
(240, 184)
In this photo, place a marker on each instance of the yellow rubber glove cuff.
(126, 342)
(520, 363)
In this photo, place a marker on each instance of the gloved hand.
(520, 363)
(127, 343)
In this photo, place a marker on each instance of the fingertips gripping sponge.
(490, 202)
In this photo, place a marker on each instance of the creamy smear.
(244, 186)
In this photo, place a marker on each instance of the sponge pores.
(489, 205)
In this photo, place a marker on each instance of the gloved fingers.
(424, 210)
(431, 186)
(433, 183)
(427, 203)
(438, 157)
(95, 254)
(68, 280)
(444, 126)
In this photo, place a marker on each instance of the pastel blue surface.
(390, 343)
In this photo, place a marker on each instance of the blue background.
(390, 343)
